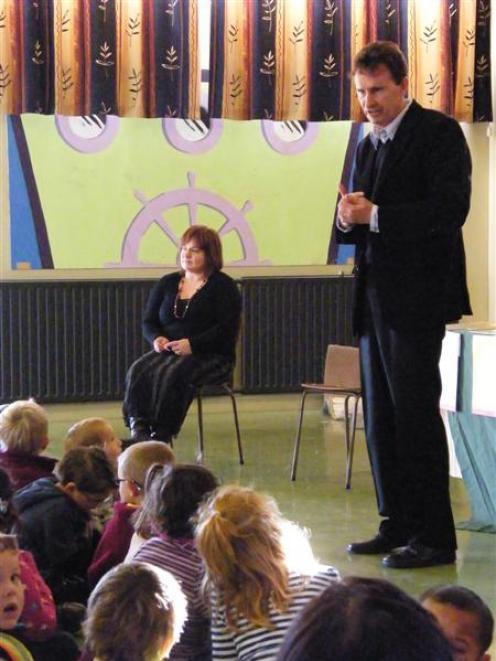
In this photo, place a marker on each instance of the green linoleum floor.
(317, 499)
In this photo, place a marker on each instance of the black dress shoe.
(140, 429)
(375, 546)
(414, 556)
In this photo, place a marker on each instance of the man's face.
(380, 97)
(460, 628)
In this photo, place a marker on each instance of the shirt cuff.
(374, 219)
(344, 227)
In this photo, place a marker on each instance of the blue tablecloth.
(474, 437)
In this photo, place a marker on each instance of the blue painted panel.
(23, 240)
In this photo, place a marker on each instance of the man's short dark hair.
(367, 619)
(382, 53)
(468, 601)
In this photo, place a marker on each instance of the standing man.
(411, 197)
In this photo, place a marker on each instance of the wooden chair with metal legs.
(228, 390)
(341, 378)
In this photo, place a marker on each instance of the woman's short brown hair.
(209, 241)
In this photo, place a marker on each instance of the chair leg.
(296, 449)
(350, 447)
(199, 456)
(229, 391)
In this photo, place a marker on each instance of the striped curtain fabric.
(290, 59)
(134, 58)
(269, 59)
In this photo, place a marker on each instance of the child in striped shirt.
(260, 573)
(172, 496)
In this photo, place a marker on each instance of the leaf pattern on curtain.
(269, 59)
(291, 60)
(134, 58)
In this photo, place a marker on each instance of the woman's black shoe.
(140, 429)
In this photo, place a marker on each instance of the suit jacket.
(416, 262)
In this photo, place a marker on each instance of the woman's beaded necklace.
(180, 314)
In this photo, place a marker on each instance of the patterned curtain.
(134, 58)
(290, 59)
(269, 59)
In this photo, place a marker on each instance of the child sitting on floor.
(16, 640)
(38, 617)
(132, 467)
(260, 572)
(96, 432)
(24, 435)
(55, 522)
(135, 613)
(464, 618)
(172, 496)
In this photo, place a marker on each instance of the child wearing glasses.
(132, 466)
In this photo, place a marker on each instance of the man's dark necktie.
(379, 158)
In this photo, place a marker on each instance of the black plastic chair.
(200, 391)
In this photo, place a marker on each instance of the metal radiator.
(69, 341)
(287, 325)
(74, 341)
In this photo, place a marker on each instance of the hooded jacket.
(58, 534)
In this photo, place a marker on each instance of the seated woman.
(260, 573)
(191, 320)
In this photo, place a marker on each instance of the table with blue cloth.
(474, 438)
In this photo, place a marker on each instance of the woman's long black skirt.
(161, 386)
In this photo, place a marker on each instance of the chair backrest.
(342, 367)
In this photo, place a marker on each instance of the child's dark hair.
(367, 619)
(173, 494)
(89, 469)
(7, 514)
(468, 601)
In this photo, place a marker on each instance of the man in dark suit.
(411, 197)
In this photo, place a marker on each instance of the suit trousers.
(406, 439)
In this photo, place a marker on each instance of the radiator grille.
(74, 341)
(287, 325)
(69, 341)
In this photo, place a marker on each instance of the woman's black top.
(210, 322)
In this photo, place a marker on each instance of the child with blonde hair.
(94, 432)
(24, 436)
(132, 467)
(255, 590)
(135, 613)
